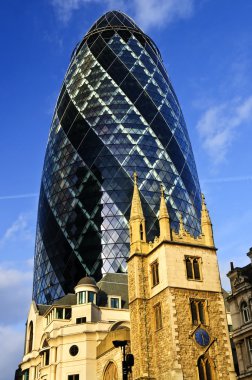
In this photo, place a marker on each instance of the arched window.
(30, 337)
(110, 372)
(245, 312)
(206, 368)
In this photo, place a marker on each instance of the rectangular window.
(59, 313)
(249, 344)
(154, 273)
(81, 320)
(193, 268)
(68, 313)
(81, 297)
(46, 357)
(198, 311)
(114, 303)
(73, 377)
(91, 297)
(158, 316)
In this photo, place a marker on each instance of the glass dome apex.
(114, 19)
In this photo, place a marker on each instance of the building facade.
(169, 312)
(177, 313)
(72, 339)
(116, 113)
(240, 302)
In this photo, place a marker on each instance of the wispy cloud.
(18, 196)
(148, 13)
(20, 230)
(218, 125)
(227, 179)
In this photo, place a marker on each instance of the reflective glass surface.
(116, 113)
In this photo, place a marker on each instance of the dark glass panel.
(146, 107)
(118, 71)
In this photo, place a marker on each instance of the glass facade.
(116, 113)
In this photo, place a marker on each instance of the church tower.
(178, 321)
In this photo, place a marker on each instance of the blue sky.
(207, 48)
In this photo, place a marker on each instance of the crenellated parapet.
(138, 242)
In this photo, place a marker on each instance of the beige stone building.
(240, 302)
(177, 314)
(169, 312)
(72, 339)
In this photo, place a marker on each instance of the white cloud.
(147, 13)
(12, 350)
(151, 13)
(19, 230)
(217, 127)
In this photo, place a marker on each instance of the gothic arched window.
(193, 270)
(206, 368)
(110, 372)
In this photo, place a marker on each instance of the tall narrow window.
(196, 269)
(194, 313)
(201, 308)
(158, 316)
(245, 312)
(30, 337)
(154, 273)
(249, 345)
(189, 269)
(141, 231)
(198, 311)
(82, 297)
(193, 271)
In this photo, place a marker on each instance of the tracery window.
(193, 270)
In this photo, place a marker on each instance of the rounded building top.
(86, 281)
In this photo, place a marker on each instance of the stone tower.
(178, 321)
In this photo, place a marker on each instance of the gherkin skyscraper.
(116, 113)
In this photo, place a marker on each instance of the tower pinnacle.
(164, 220)
(206, 224)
